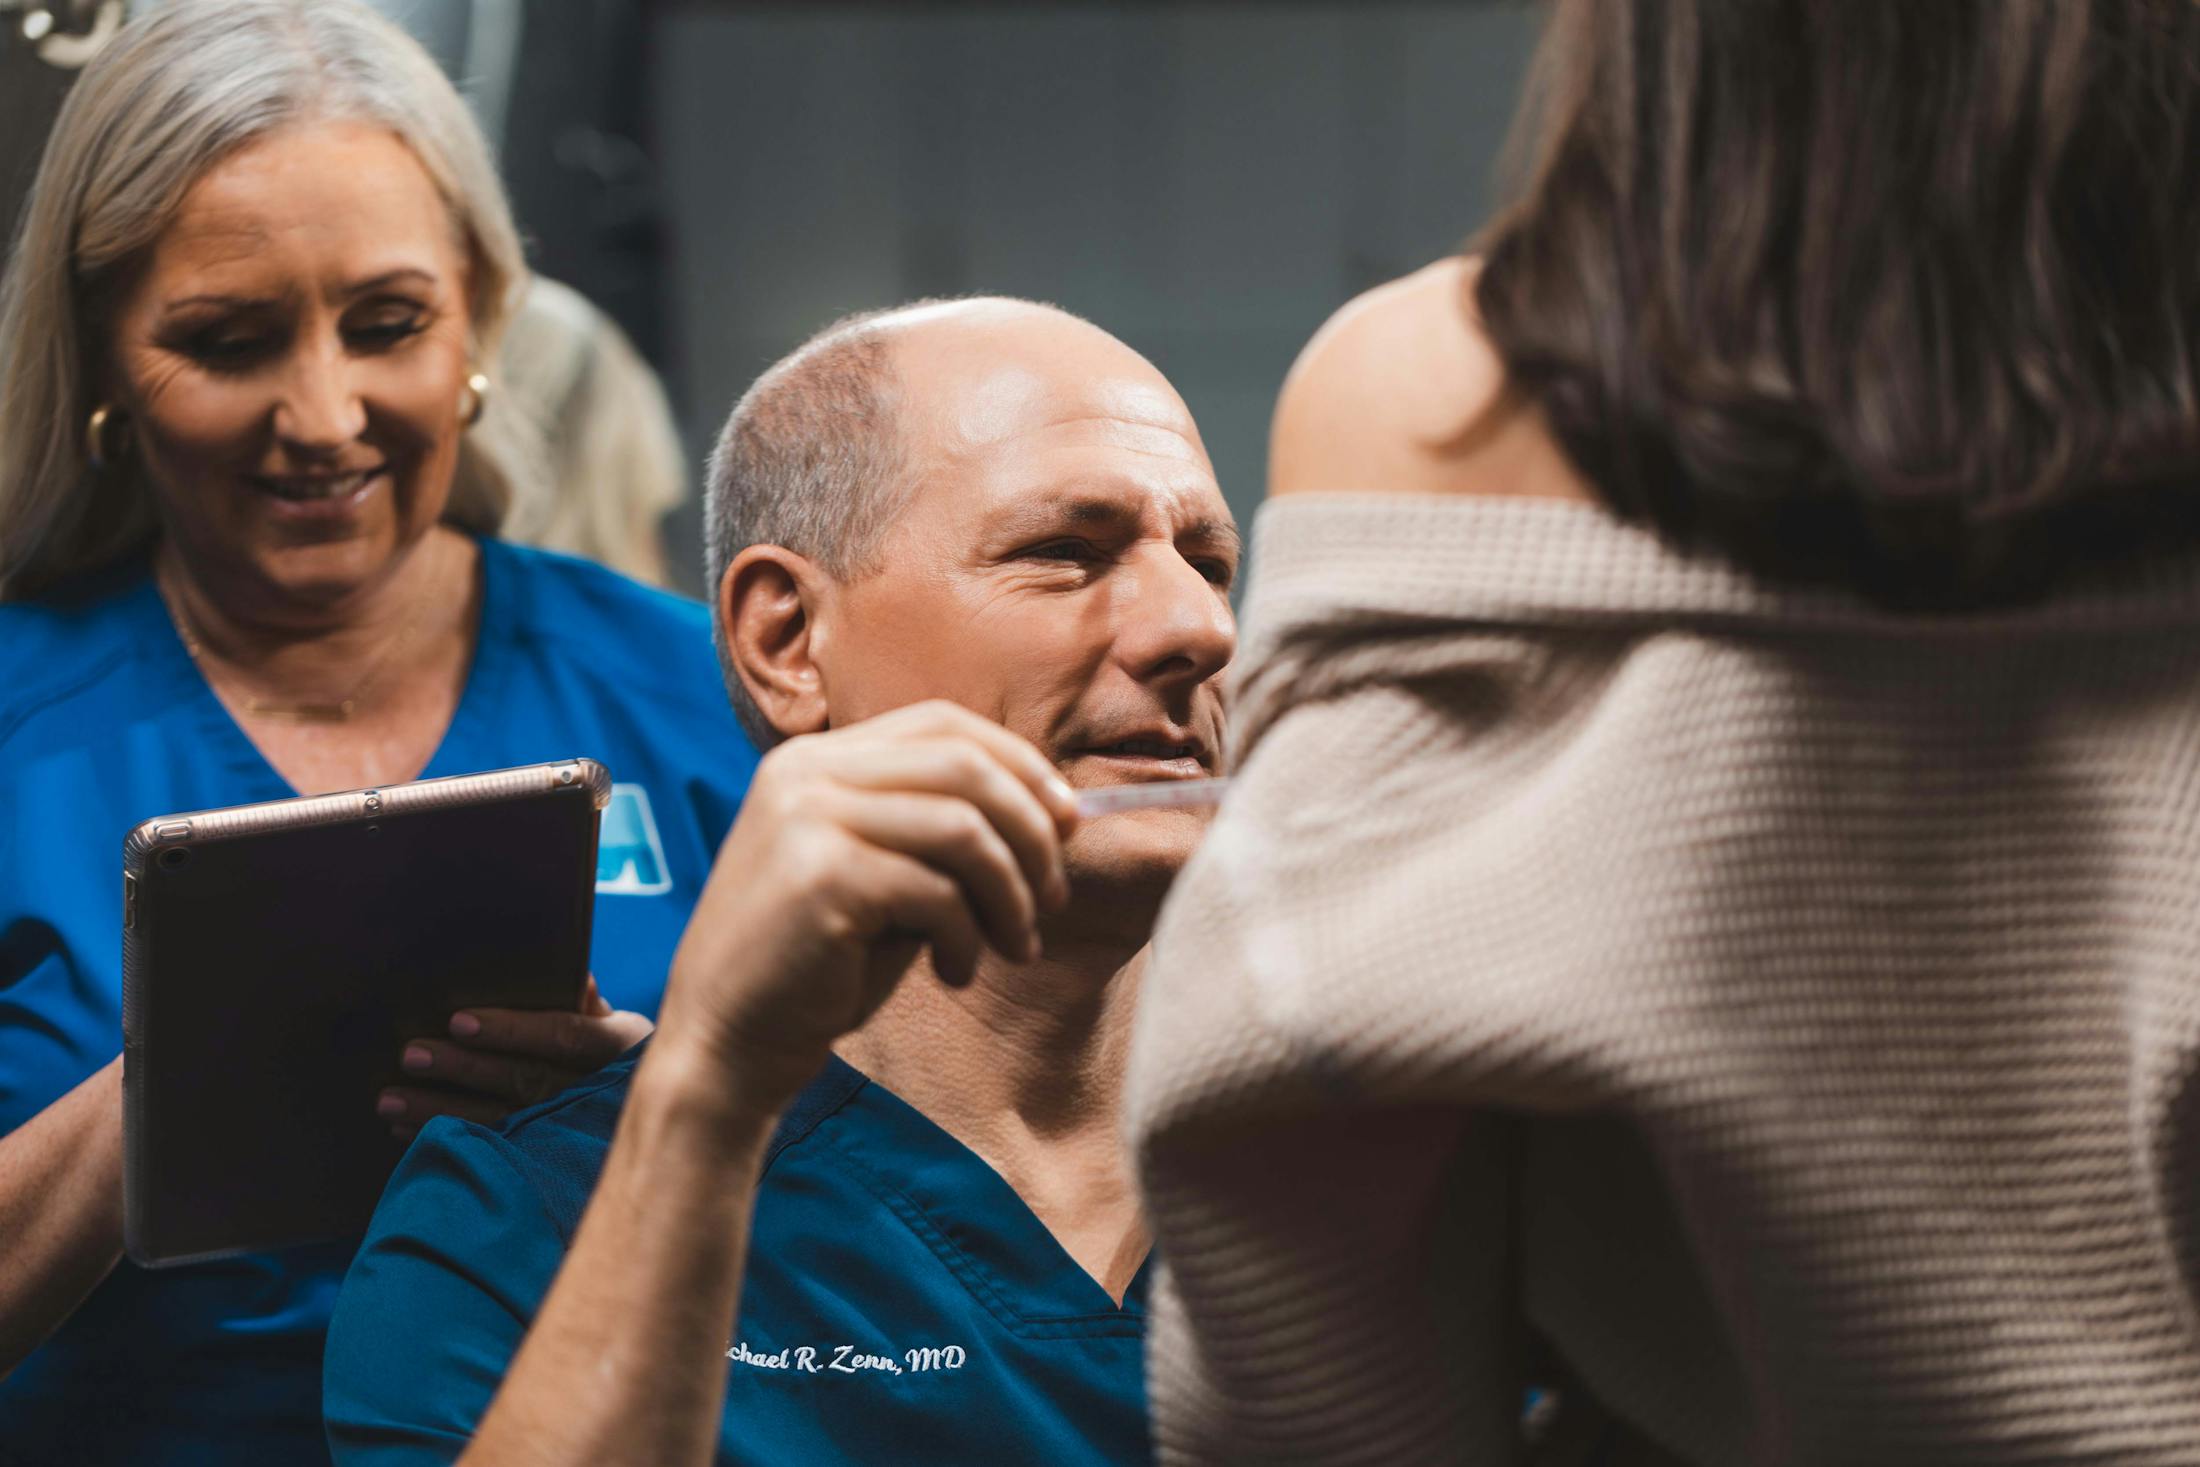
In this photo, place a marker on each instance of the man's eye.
(1221, 572)
(1069, 550)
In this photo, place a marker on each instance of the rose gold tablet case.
(276, 956)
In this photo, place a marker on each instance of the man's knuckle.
(810, 858)
(783, 801)
(942, 893)
(968, 832)
(840, 926)
(970, 764)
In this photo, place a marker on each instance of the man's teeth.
(329, 488)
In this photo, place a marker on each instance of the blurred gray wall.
(30, 95)
(1208, 181)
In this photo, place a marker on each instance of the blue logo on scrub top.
(630, 860)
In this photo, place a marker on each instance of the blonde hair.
(175, 93)
(613, 464)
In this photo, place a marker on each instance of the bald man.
(862, 1198)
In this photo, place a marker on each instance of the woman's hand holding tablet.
(496, 1059)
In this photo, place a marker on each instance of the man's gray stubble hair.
(813, 459)
(810, 459)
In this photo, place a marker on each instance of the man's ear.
(768, 602)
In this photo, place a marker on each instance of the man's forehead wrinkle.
(1153, 404)
(1145, 410)
(1017, 403)
(1184, 453)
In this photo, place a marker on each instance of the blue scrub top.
(105, 722)
(902, 1303)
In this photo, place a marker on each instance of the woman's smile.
(294, 365)
(326, 499)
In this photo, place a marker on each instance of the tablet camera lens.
(374, 830)
(173, 857)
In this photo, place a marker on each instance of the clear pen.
(1159, 794)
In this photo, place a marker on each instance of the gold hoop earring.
(95, 436)
(474, 401)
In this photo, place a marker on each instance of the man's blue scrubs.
(105, 722)
(902, 1303)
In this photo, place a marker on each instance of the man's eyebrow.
(1071, 508)
(1099, 509)
(1221, 532)
(1095, 510)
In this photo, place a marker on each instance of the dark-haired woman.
(1709, 920)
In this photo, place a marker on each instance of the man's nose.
(1178, 626)
(320, 409)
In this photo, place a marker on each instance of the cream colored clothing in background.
(1787, 1009)
(611, 465)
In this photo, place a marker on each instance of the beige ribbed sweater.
(1788, 1011)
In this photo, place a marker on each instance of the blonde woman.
(251, 471)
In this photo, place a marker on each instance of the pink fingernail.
(389, 1105)
(465, 1026)
(416, 1058)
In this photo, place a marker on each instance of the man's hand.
(497, 1061)
(856, 849)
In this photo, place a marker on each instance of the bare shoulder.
(1400, 392)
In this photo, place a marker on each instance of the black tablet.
(275, 958)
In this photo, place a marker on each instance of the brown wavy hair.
(1898, 294)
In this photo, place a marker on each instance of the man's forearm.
(626, 1361)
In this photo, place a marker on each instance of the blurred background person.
(1706, 916)
(251, 473)
(612, 466)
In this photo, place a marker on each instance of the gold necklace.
(336, 712)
